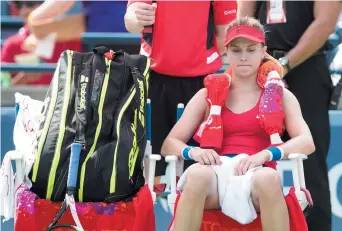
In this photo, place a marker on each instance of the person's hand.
(145, 13)
(285, 71)
(23, 78)
(29, 43)
(250, 162)
(205, 156)
(285, 83)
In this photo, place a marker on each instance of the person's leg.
(196, 197)
(166, 92)
(311, 84)
(159, 117)
(268, 199)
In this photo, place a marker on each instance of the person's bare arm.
(301, 139)
(193, 115)
(326, 14)
(138, 15)
(23, 78)
(224, 13)
(246, 8)
(220, 31)
(49, 10)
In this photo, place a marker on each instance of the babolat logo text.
(83, 92)
(133, 154)
(142, 99)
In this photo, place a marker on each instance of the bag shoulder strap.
(140, 84)
(101, 50)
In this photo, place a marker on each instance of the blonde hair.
(246, 21)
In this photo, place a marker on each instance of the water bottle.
(5, 79)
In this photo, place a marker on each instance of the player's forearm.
(301, 144)
(246, 8)
(172, 146)
(50, 9)
(220, 43)
(131, 22)
(317, 33)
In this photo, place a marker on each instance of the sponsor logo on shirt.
(228, 12)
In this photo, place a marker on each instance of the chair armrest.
(298, 170)
(16, 155)
(298, 156)
(19, 166)
(150, 165)
(299, 178)
(171, 198)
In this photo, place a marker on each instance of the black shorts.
(166, 92)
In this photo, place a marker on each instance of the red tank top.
(242, 132)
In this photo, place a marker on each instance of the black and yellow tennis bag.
(112, 92)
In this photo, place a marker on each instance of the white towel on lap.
(234, 191)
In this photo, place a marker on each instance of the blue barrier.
(4, 8)
(334, 39)
(112, 38)
(163, 218)
(335, 168)
(122, 40)
(11, 21)
(45, 67)
(51, 68)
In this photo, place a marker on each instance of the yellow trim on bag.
(55, 161)
(113, 176)
(98, 129)
(147, 73)
(134, 152)
(118, 123)
(46, 122)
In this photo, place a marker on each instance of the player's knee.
(267, 181)
(198, 179)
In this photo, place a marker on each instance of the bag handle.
(101, 50)
(82, 105)
(150, 26)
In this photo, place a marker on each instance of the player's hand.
(205, 156)
(22, 78)
(250, 162)
(29, 43)
(145, 13)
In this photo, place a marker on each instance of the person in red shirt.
(16, 49)
(184, 41)
(243, 139)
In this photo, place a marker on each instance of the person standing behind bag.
(297, 34)
(19, 48)
(185, 44)
(98, 16)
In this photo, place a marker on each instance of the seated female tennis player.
(242, 134)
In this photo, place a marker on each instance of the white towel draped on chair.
(24, 138)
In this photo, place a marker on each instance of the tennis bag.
(110, 89)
